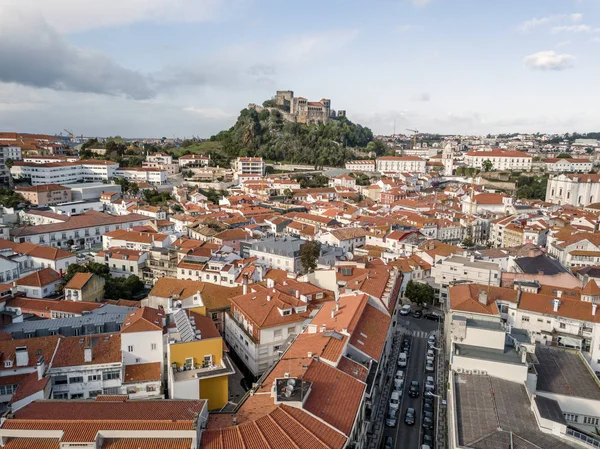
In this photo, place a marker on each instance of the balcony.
(224, 369)
(249, 335)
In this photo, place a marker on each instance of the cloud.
(69, 16)
(573, 29)
(549, 60)
(422, 97)
(40, 57)
(297, 50)
(536, 22)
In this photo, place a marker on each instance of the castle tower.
(448, 160)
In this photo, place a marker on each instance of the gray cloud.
(34, 54)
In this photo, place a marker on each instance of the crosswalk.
(417, 334)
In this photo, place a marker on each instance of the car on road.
(431, 340)
(391, 418)
(428, 404)
(430, 384)
(395, 399)
(389, 443)
(399, 380)
(402, 360)
(417, 313)
(428, 437)
(405, 310)
(430, 355)
(414, 389)
(433, 316)
(429, 367)
(409, 417)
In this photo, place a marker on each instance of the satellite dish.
(349, 256)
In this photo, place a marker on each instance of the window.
(525, 319)
(94, 393)
(60, 396)
(111, 375)
(291, 330)
(562, 325)
(153, 346)
(150, 388)
(94, 378)
(214, 315)
(571, 417)
(131, 390)
(540, 320)
(7, 363)
(276, 348)
(76, 380)
(277, 333)
(77, 396)
(138, 360)
(130, 348)
(7, 389)
(590, 420)
(59, 380)
(189, 362)
(208, 361)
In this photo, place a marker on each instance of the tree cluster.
(114, 288)
(532, 188)
(154, 198)
(268, 135)
(419, 293)
(309, 255)
(311, 182)
(10, 198)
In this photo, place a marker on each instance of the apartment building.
(139, 241)
(45, 195)
(500, 159)
(568, 165)
(400, 164)
(154, 176)
(32, 257)
(198, 365)
(194, 160)
(61, 173)
(253, 166)
(367, 165)
(8, 151)
(457, 269)
(573, 189)
(86, 228)
(123, 262)
(346, 238)
(215, 268)
(87, 287)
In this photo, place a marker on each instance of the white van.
(395, 399)
(402, 360)
(399, 380)
(405, 310)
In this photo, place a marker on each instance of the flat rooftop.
(489, 409)
(563, 371)
(477, 263)
(485, 324)
(508, 355)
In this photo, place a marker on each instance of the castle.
(300, 110)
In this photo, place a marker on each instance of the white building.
(500, 159)
(367, 165)
(64, 172)
(568, 165)
(464, 269)
(159, 158)
(155, 176)
(401, 164)
(123, 262)
(7, 152)
(194, 160)
(575, 190)
(249, 166)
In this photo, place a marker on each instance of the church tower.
(448, 160)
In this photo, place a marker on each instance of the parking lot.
(417, 331)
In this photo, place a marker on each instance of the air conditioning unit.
(459, 370)
(475, 371)
(468, 371)
(483, 373)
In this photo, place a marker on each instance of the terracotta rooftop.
(142, 372)
(144, 319)
(106, 348)
(39, 278)
(78, 281)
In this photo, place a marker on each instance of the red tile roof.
(106, 348)
(39, 278)
(78, 281)
(144, 319)
(142, 372)
(371, 332)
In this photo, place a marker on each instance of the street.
(417, 330)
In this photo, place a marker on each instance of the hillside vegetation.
(268, 135)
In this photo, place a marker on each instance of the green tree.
(487, 165)
(134, 188)
(563, 156)
(9, 163)
(419, 293)
(309, 255)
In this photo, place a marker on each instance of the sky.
(153, 68)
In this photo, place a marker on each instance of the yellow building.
(198, 366)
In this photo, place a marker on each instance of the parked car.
(389, 443)
(409, 417)
(427, 404)
(433, 316)
(429, 366)
(414, 389)
(427, 423)
(406, 345)
(428, 437)
(430, 355)
(399, 380)
(417, 313)
(431, 340)
(402, 360)
(395, 399)
(405, 310)
(392, 415)
(430, 384)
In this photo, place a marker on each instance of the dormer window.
(8, 364)
(286, 312)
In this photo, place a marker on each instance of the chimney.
(268, 298)
(270, 283)
(555, 304)
(309, 354)
(22, 356)
(87, 354)
(297, 294)
(483, 297)
(337, 306)
(559, 293)
(245, 283)
(40, 368)
(594, 307)
(333, 312)
(523, 355)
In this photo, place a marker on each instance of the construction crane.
(72, 138)
(415, 132)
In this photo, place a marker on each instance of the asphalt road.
(409, 437)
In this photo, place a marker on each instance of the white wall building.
(568, 165)
(155, 176)
(367, 165)
(500, 159)
(64, 172)
(401, 164)
(249, 166)
(574, 189)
